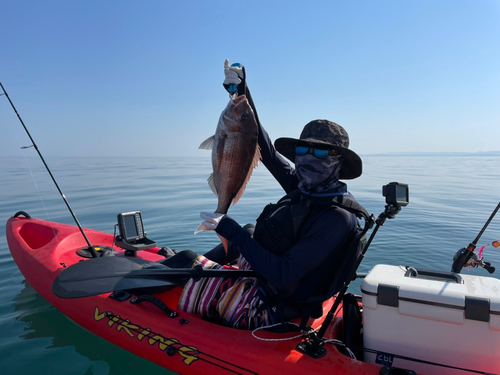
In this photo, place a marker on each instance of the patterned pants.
(233, 302)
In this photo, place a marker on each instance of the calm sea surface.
(451, 197)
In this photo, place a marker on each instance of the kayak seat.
(311, 307)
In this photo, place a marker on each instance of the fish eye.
(244, 116)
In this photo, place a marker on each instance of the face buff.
(317, 175)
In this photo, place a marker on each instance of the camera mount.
(396, 196)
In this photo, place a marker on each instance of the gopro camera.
(396, 194)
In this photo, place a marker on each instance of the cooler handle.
(432, 274)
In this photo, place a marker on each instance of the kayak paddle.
(111, 274)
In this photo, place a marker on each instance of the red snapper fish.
(235, 153)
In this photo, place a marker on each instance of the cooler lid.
(478, 296)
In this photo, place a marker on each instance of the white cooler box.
(438, 317)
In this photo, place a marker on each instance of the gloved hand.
(233, 76)
(211, 219)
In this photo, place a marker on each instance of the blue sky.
(143, 78)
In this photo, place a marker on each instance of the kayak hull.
(185, 344)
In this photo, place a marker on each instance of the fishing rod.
(33, 144)
(464, 255)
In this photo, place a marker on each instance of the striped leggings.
(234, 302)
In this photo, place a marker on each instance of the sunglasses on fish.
(319, 153)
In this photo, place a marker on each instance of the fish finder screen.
(130, 225)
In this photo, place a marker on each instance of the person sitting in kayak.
(293, 253)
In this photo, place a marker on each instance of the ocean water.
(451, 197)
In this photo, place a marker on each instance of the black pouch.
(352, 325)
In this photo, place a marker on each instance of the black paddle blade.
(110, 274)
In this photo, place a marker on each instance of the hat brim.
(352, 166)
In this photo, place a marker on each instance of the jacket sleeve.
(319, 239)
(281, 170)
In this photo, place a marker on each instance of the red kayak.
(183, 344)
(428, 321)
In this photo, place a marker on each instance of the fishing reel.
(466, 258)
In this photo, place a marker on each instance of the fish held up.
(235, 153)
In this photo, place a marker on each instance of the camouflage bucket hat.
(324, 134)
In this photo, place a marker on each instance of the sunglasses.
(320, 154)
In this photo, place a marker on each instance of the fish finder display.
(132, 236)
(130, 225)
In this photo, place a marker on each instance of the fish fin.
(211, 183)
(256, 158)
(225, 242)
(208, 143)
